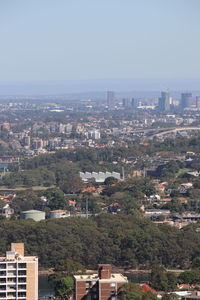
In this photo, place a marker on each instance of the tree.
(69, 266)
(73, 185)
(190, 277)
(64, 287)
(196, 263)
(172, 281)
(56, 199)
(161, 280)
(131, 291)
(110, 181)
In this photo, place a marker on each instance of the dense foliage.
(127, 241)
(131, 291)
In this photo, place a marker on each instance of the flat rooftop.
(19, 258)
(94, 277)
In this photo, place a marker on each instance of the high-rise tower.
(111, 99)
(18, 275)
(186, 100)
(164, 102)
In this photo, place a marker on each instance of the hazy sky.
(89, 39)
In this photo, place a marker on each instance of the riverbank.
(115, 270)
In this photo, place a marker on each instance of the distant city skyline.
(83, 40)
(125, 86)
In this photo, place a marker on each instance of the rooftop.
(95, 277)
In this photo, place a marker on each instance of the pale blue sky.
(89, 39)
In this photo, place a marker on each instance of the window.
(21, 294)
(2, 266)
(22, 280)
(87, 284)
(21, 287)
(21, 273)
(2, 273)
(113, 284)
(22, 266)
(11, 280)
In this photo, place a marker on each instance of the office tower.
(27, 141)
(186, 100)
(102, 286)
(37, 144)
(198, 102)
(110, 99)
(94, 134)
(164, 102)
(126, 102)
(18, 275)
(134, 103)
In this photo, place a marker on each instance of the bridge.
(163, 131)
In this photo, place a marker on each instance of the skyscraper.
(126, 102)
(18, 275)
(134, 102)
(164, 102)
(198, 102)
(111, 99)
(186, 100)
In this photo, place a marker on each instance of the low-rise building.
(103, 285)
(98, 176)
(193, 296)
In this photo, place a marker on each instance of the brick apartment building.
(18, 275)
(102, 286)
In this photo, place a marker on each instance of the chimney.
(18, 247)
(104, 271)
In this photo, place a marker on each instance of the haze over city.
(99, 150)
(69, 46)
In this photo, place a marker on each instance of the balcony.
(21, 295)
(21, 287)
(11, 266)
(11, 273)
(2, 266)
(22, 273)
(21, 266)
(11, 289)
(11, 295)
(22, 280)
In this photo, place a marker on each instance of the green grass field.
(22, 188)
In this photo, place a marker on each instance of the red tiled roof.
(72, 202)
(146, 288)
(166, 199)
(89, 189)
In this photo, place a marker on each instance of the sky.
(44, 40)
